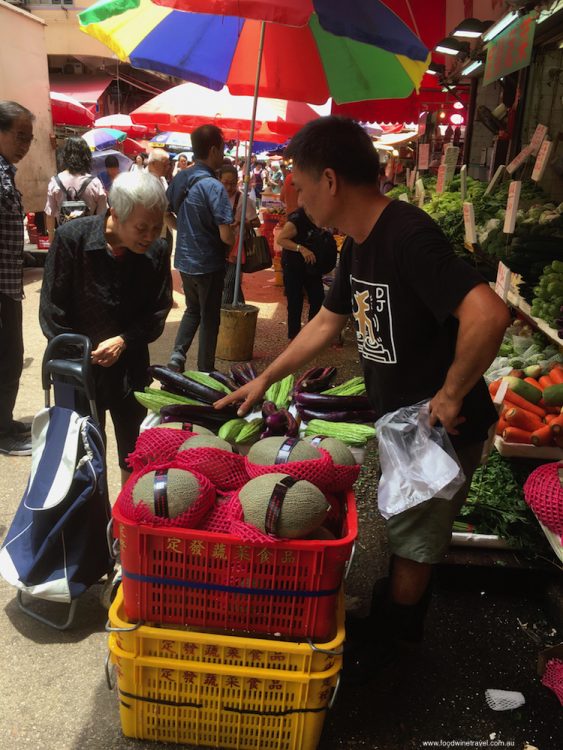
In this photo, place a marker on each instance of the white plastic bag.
(417, 461)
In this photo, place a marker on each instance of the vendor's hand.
(308, 255)
(108, 352)
(445, 408)
(247, 395)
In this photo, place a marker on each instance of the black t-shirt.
(310, 236)
(402, 285)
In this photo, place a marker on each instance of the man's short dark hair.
(335, 143)
(9, 113)
(111, 161)
(76, 156)
(204, 138)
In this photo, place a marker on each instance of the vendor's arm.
(286, 240)
(56, 290)
(311, 340)
(483, 318)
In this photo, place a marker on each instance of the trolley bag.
(56, 546)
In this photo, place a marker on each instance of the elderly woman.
(108, 277)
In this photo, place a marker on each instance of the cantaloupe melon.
(198, 429)
(339, 451)
(166, 492)
(321, 534)
(206, 441)
(266, 452)
(302, 506)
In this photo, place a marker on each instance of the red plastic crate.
(210, 580)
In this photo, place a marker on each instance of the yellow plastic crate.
(198, 688)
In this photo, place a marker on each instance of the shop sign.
(537, 139)
(502, 284)
(469, 223)
(496, 177)
(463, 178)
(423, 156)
(519, 159)
(512, 206)
(511, 50)
(541, 161)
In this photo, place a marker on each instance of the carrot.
(523, 419)
(516, 400)
(556, 425)
(502, 424)
(534, 382)
(541, 437)
(494, 386)
(556, 374)
(545, 381)
(549, 418)
(516, 435)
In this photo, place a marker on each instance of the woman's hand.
(247, 395)
(108, 352)
(308, 255)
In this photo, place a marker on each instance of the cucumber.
(523, 389)
(553, 395)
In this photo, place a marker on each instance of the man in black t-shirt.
(427, 327)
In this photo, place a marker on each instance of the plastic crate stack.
(244, 646)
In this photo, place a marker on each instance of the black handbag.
(257, 255)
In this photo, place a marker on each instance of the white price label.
(469, 223)
(542, 160)
(441, 180)
(537, 139)
(451, 155)
(404, 197)
(496, 177)
(412, 178)
(463, 178)
(512, 206)
(502, 283)
(519, 159)
(423, 156)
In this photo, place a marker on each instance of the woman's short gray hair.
(130, 189)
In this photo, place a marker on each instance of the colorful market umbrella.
(132, 147)
(122, 122)
(68, 111)
(381, 58)
(172, 141)
(99, 157)
(102, 138)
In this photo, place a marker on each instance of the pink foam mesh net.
(544, 494)
(226, 470)
(190, 519)
(553, 677)
(156, 444)
(318, 471)
(344, 477)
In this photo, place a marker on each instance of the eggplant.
(184, 386)
(368, 416)
(313, 372)
(277, 422)
(292, 426)
(269, 409)
(321, 401)
(225, 380)
(315, 380)
(203, 414)
(239, 374)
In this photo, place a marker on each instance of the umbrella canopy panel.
(121, 122)
(65, 110)
(102, 138)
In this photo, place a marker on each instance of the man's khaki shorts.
(423, 533)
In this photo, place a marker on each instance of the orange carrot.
(545, 381)
(556, 425)
(523, 419)
(516, 400)
(516, 435)
(502, 424)
(494, 386)
(549, 418)
(534, 382)
(541, 437)
(556, 374)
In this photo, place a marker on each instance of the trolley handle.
(109, 672)
(350, 561)
(79, 370)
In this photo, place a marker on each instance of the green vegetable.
(553, 395)
(230, 430)
(353, 387)
(251, 431)
(154, 399)
(203, 379)
(350, 433)
(280, 393)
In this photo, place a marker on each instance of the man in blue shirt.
(201, 212)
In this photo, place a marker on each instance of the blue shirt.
(201, 205)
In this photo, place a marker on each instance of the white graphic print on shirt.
(373, 321)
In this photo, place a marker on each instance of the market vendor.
(108, 278)
(427, 326)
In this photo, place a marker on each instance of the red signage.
(511, 50)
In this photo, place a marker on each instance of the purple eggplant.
(239, 373)
(184, 386)
(315, 380)
(322, 402)
(268, 409)
(224, 380)
(292, 429)
(203, 414)
(367, 416)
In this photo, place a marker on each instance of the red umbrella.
(122, 122)
(132, 147)
(68, 111)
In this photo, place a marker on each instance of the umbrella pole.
(247, 166)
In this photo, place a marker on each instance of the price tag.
(451, 155)
(496, 177)
(449, 173)
(423, 156)
(542, 159)
(441, 180)
(537, 139)
(502, 283)
(469, 223)
(519, 160)
(407, 175)
(512, 206)
(412, 178)
(463, 177)
(404, 197)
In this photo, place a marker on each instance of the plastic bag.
(417, 461)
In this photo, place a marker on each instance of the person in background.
(275, 181)
(108, 278)
(201, 212)
(139, 163)
(299, 238)
(412, 300)
(16, 136)
(111, 164)
(158, 164)
(182, 162)
(229, 178)
(257, 180)
(77, 160)
(288, 194)
(385, 179)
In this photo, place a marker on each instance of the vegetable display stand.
(210, 580)
(237, 331)
(222, 691)
(521, 450)
(270, 222)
